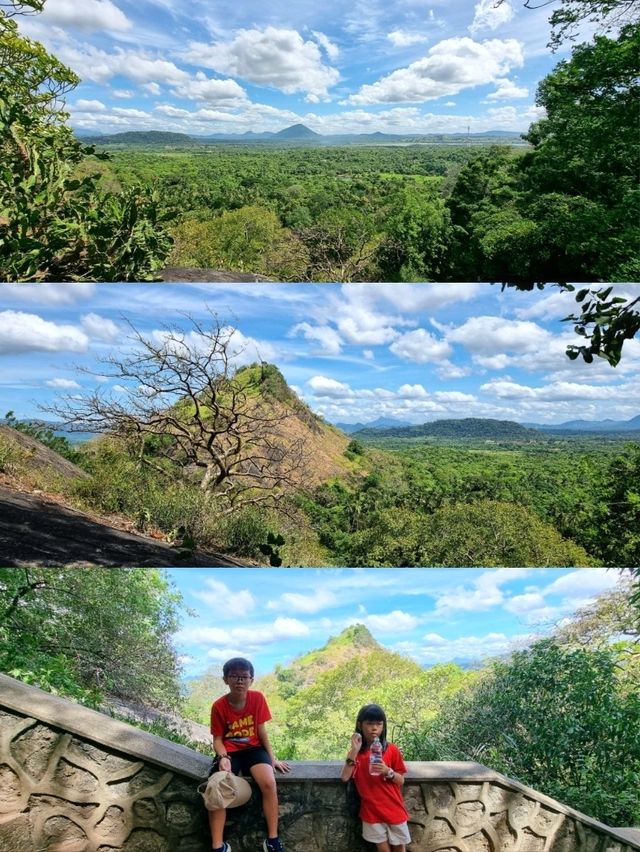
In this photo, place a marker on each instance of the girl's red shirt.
(380, 800)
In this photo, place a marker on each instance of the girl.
(379, 785)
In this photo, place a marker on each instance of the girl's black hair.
(372, 713)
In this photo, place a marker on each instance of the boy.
(241, 743)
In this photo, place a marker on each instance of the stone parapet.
(74, 780)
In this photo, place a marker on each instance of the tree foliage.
(186, 413)
(56, 222)
(556, 719)
(86, 633)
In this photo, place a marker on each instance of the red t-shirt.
(239, 728)
(380, 800)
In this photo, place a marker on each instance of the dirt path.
(38, 531)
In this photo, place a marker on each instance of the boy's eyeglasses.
(239, 678)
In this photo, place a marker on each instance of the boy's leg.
(265, 779)
(400, 848)
(384, 847)
(216, 824)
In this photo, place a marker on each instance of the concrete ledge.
(101, 729)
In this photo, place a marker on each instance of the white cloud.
(226, 601)
(64, 384)
(420, 347)
(490, 15)
(323, 386)
(402, 38)
(450, 66)
(488, 336)
(316, 600)
(89, 16)
(507, 90)
(100, 328)
(279, 58)
(22, 332)
(201, 88)
(484, 593)
(48, 294)
(328, 338)
(393, 622)
(586, 582)
(329, 47)
(439, 649)
(88, 106)
(245, 637)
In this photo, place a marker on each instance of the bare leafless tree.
(186, 411)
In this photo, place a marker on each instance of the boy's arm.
(221, 750)
(263, 736)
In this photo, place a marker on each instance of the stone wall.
(73, 780)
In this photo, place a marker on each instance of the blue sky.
(431, 615)
(354, 352)
(415, 66)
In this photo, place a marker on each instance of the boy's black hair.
(237, 663)
(372, 713)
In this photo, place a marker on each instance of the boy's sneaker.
(225, 848)
(272, 845)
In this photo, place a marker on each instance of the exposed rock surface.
(36, 530)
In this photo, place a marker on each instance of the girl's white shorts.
(378, 832)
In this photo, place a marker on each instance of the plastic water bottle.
(375, 755)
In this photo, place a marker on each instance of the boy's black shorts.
(243, 759)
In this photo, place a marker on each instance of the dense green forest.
(564, 209)
(191, 467)
(561, 715)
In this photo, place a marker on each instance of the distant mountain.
(468, 427)
(142, 137)
(632, 425)
(297, 131)
(379, 423)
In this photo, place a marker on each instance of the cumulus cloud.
(484, 593)
(507, 90)
(279, 58)
(99, 66)
(488, 335)
(435, 648)
(22, 332)
(88, 106)
(243, 637)
(323, 386)
(100, 328)
(562, 391)
(224, 600)
(420, 347)
(488, 15)
(328, 338)
(88, 16)
(449, 67)
(202, 88)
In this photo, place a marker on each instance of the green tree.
(56, 223)
(619, 527)
(556, 719)
(84, 632)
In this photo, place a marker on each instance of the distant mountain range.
(475, 427)
(296, 133)
(632, 425)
